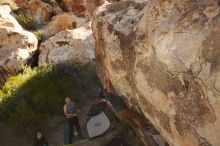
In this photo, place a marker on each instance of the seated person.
(40, 140)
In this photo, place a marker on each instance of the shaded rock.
(163, 57)
(5, 73)
(16, 44)
(69, 46)
(116, 142)
(62, 22)
(56, 8)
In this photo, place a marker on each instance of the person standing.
(70, 111)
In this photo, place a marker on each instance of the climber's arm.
(107, 84)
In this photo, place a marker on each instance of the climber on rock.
(118, 106)
(70, 111)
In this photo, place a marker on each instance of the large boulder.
(163, 58)
(69, 46)
(16, 44)
(62, 22)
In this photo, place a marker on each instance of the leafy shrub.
(26, 21)
(27, 119)
(39, 34)
(36, 95)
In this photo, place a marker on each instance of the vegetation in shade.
(26, 21)
(39, 34)
(30, 99)
(47, 1)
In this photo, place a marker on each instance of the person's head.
(68, 99)
(39, 135)
(104, 92)
(99, 94)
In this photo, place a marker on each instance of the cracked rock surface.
(163, 58)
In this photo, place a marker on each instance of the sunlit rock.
(16, 44)
(62, 22)
(163, 56)
(69, 46)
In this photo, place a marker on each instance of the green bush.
(39, 34)
(26, 21)
(28, 121)
(29, 99)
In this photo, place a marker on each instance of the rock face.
(69, 46)
(62, 22)
(16, 44)
(163, 58)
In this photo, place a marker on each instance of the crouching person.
(40, 140)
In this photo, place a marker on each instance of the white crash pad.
(98, 125)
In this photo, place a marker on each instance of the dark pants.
(73, 122)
